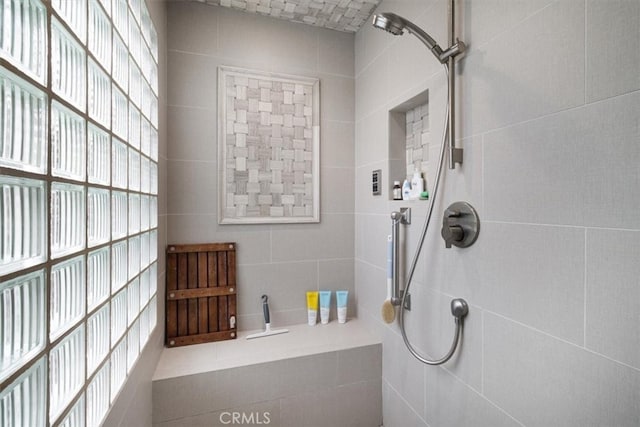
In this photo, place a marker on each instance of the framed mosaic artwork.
(268, 147)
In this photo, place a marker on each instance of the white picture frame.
(268, 147)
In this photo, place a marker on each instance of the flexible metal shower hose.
(414, 262)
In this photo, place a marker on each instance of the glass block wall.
(78, 205)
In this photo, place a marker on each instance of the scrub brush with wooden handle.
(388, 310)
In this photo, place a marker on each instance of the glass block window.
(99, 95)
(119, 214)
(74, 13)
(98, 277)
(23, 238)
(23, 327)
(134, 256)
(119, 168)
(98, 213)
(75, 417)
(98, 156)
(119, 113)
(23, 126)
(118, 316)
(120, 61)
(24, 43)
(97, 338)
(100, 34)
(66, 371)
(119, 274)
(133, 344)
(68, 219)
(78, 205)
(134, 213)
(67, 303)
(68, 142)
(68, 59)
(98, 397)
(23, 401)
(144, 212)
(118, 367)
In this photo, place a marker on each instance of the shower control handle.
(460, 225)
(452, 233)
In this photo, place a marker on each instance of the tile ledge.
(301, 340)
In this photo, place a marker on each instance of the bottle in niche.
(397, 190)
(406, 190)
(417, 185)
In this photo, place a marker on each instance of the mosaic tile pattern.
(418, 137)
(269, 147)
(341, 15)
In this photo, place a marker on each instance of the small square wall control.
(376, 182)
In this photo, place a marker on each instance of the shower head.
(396, 25)
(389, 22)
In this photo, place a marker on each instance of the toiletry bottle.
(417, 185)
(397, 190)
(406, 190)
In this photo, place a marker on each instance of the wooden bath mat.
(200, 294)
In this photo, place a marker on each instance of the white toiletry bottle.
(417, 185)
(406, 190)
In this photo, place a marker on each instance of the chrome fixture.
(396, 25)
(460, 225)
(401, 297)
(397, 218)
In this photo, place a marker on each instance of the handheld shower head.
(389, 22)
(396, 25)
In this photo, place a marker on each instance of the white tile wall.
(201, 37)
(563, 384)
(611, 292)
(613, 34)
(547, 114)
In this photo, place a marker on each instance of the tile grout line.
(584, 304)
(572, 344)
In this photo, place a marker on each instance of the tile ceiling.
(341, 15)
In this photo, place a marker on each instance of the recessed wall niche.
(409, 140)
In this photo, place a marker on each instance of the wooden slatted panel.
(231, 282)
(203, 306)
(222, 281)
(212, 263)
(172, 306)
(201, 293)
(183, 313)
(192, 282)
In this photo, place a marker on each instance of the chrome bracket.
(456, 155)
(405, 216)
(407, 300)
(452, 51)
